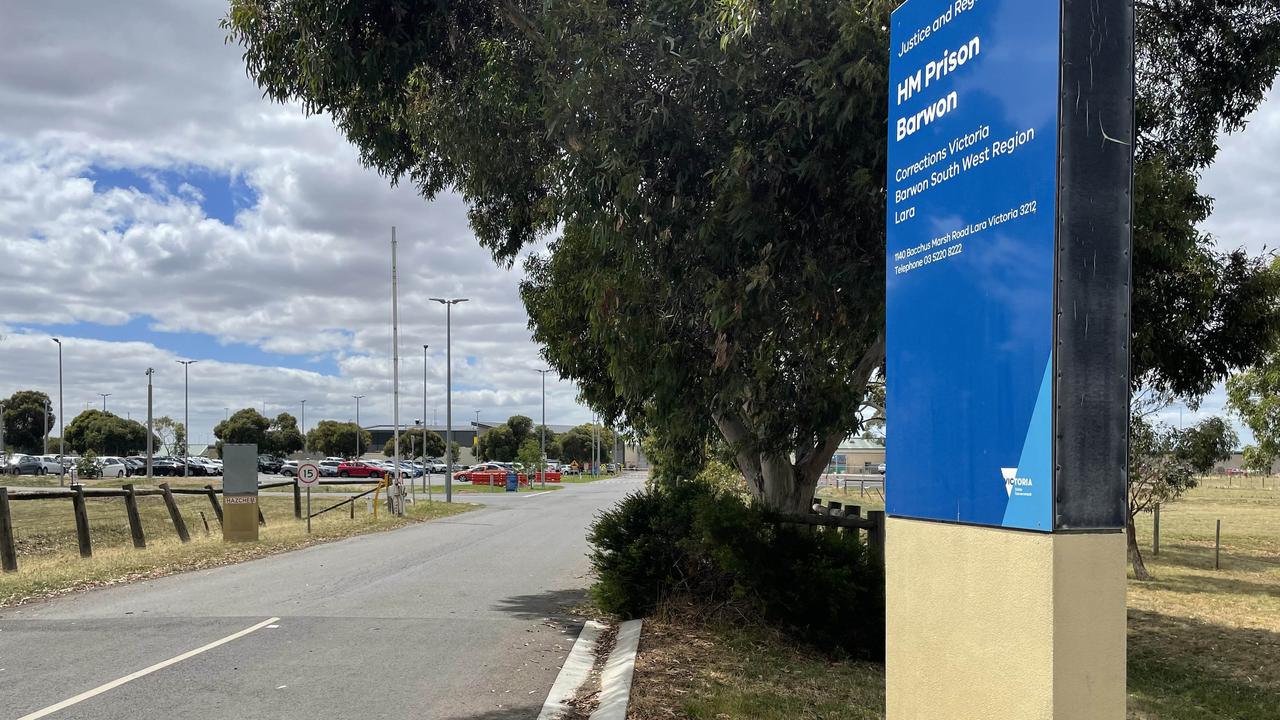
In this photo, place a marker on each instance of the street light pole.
(542, 458)
(357, 397)
(448, 403)
(104, 397)
(150, 448)
(304, 425)
(61, 420)
(426, 474)
(186, 412)
(45, 428)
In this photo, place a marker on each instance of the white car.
(112, 467)
(52, 464)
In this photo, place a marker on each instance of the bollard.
(135, 520)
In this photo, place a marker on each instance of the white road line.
(544, 492)
(146, 671)
(615, 679)
(573, 673)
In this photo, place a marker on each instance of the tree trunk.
(1135, 555)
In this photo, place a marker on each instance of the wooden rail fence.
(837, 517)
(78, 494)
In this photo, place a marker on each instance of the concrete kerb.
(615, 679)
(615, 676)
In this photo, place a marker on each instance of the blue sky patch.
(219, 194)
(194, 346)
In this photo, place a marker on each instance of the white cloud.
(152, 86)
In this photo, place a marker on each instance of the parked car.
(329, 468)
(289, 468)
(268, 464)
(481, 471)
(112, 467)
(408, 469)
(160, 467)
(210, 467)
(360, 469)
(435, 465)
(137, 466)
(25, 465)
(52, 464)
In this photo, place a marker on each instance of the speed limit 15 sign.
(308, 475)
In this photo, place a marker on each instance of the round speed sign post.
(308, 477)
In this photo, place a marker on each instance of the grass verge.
(708, 671)
(1204, 644)
(50, 565)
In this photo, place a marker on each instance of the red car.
(359, 470)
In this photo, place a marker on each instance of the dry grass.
(690, 669)
(50, 565)
(1204, 644)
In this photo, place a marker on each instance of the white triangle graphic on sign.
(1009, 475)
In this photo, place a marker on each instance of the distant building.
(857, 455)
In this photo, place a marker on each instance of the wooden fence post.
(1217, 547)
(213, 500)
(1155, 532)
(135, 520)
(8, 551)
(261, 520)
(204, 520)
(82, 521)
(297, 500)
(875, 536)
(174, 514)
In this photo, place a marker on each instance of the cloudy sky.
(154, 207)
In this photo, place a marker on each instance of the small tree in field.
(1258, 460)
(1164, 462)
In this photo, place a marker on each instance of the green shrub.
(87, 465)
(706, 544)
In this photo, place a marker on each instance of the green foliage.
(411, 444)
(717, 168)
(244, 427)
(720, 184)
(87, 465)
(1254, 395)
(337, 439)
(106, 434)
(283, 436)
(1164, 460)
(530, 455)
(502, 442)
(23, 417)
(724, 479)
(576, 444)
(693, 541)
(1257, 460)
(1207, 443)
(455, 452)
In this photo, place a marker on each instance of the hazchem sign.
(973, 214)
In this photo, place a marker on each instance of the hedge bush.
(709, 546)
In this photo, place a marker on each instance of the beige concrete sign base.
(992, 624)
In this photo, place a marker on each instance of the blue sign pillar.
(1009, 189)
(984, 192)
